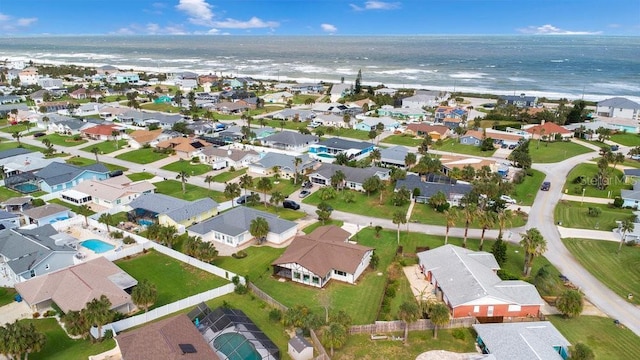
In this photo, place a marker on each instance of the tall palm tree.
(106, 219)
(618, 158)
(296, 162)
(410, 160)
(144, 294)
(209, 179)
(183, 176)
(232, 191)
(85, 211)
(451, 216)
(337, 179)
(115, 134)
(99, 313)
(167, 235)
(439, 315)
(625, 227)
(276, 173)
(246, 182)
(17, 135)
(259, 228)
(375, 156)
(276, 198)
(334, 336)
(486, 220)
(96, 150)
(469, 212)
(534, 245)
(399, 217)
(408, 312)
(504, 219)
(264, 185)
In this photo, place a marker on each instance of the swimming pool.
(145, 222)
(97, 246)
(325, 155)
(27, 188)
(236, 347)
(61, 218)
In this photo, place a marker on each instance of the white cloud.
(150, 29)
(549, 29)
(199, 11)
(329, 28)
(4, 17)
(9, 23)
(253, 23)
(26, 21)
(376, 5)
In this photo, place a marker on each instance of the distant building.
(521, 101)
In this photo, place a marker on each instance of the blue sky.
(319, 17)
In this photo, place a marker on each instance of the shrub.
(275, 315)
(505, 275)
(631, 243)
(195, 160)
(618, 202)
(518, 177)
(459, 333)
(50, 313)
(128, 240)
(36, 315)
(232, 168)
(240, 254)
(241, 289)
(108, 334)
(37, 202)
(582, 352)
(117, 234)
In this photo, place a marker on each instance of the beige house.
(169, 211)
(112, 192)
(140, 138)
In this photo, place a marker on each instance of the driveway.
(14, 311)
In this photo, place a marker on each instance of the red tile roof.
(549, 128)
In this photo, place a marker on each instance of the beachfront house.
(520, 101)
(406, 114)
(618, 107)
(338, 91)
(548, 130)
(424, 98)
(327, 150)
(354, 177)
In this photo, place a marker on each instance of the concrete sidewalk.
(588, 234)
(587, 199)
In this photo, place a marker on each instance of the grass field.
(588, 183)
(19, 128)
(607, 340)
(229, 175)
(316, 225)
(285, 186)
(80, 161)
(287, 214)
(174, 188)
(291, 125)
(191, 169)
(63, 140)
(142, 156)
(6, 295)
(452, 145)
(140, 176)
(404, 140)
(525, 193)
(425, 214)
(173, 279)
(60, 346)
(74, 208)
(6, 193)
(626, 139)
(617, 271)
(168, 108)
(107, 147)
(5, 145)
(346, 132)
(555, 151)
(363, 204)
(574, 215)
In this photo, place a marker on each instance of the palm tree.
(106, 219)
(334, 336)
(144, 294)
(408, 312)
(296, 162)
(167, 235)
(99, 313)
(183, 176)
(19, 338)
(17, 135)
(115, 134)
(246, 182)
(337, 179)
(85, 211)
(486, 220)
(259, 228)
(410, 160)
(232, 191)
(625, 227)
(276, 173)
(504, 219)
(451, 216)
(439, 315)
(209, 179)
(264, 185)
(96, 150)
(618, 158)
(276, 198)
(534, 244)
(375, 156)
(469, 211)
(399, 217)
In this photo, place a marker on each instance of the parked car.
(314, 124)
(545, 186)
(242, 199)
(508, 199)
(304, 193)
(614, 148)
(307, 185)
(39, 134)
(635, 157)
(290, 204)
(512, 146)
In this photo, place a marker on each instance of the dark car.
(241, 200)
(39, 134)
(290, 204)
(307, 184)
(512, 146)
(615, 148)
(545, 186)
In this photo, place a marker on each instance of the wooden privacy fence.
(398, 325)
(316, 342)
(264, 296)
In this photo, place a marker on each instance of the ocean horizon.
(573, 67)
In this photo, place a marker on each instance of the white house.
(111, 192)
(221, 158)
(618, 107)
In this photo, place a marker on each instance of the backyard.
(142, 156)
(614, 270)
(107, 147)
(6, 193)
(72, 207)
(583, 176)
(404, 140)
(188, 167)
(525, 193)
(174, 188)
(426, 214)
(452, 145)
(573, 214)
(626, 139)
(173, 279)
(5, 145)
(550, 152)
(607, 340)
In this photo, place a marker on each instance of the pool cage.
(232, 333)
(24, 182)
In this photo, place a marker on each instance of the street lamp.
(582, 201)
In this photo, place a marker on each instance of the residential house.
(407, 114)
(46, 214)
(231, 134)
(231, 107)
(394, 156)
(327, 150)
(5, 110)
(109, 193)
(475, 137)
(449, 112)
(291, 141)
(631, 175)
(29, 76)
(277, 97)
(285, 163)
(53, 106)
(435, 132)
(123, 78)
(186, 81)
(335, 108)
(173, 338)
(369, 123)
(618, 107)
(29, 253)
(103, 132)
(62, 176)
(140, 138)
(304, 88)
(385, 91)
(20, 161)
(10, 220)
(111, 113)
(631, 197)
(263, 132)
(521, 101)
(82, 93)
(294, 114)
(522, 340)
(72, 288)
(431, 184)
(466, 281)
(10, 99)
(185, 148)
(354, 177)
(333, 120)
(299, 348)
(169, 211)
(549, 131)
(49, 83)
(452, 161)
(107, 69)
(321, 256)
(222, 158)
(17, 204)
(66, 125)
(38, 96)
(423, 98)
(200, 128)
(232, 227)
(209, 78)
(452, 123)
(338, 91)
(86, 109)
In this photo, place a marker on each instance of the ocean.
(589, 67)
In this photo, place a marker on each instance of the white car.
(508, 199)
(633, 157)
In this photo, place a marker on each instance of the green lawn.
(168, 108)
(525, 193)
(60, 346)
(107, 147)
(229, 175)
(589, 171)
(404, 140)
(140, 176)
(173, 279)
(626, 139)
(80, 161)
(285, 186)
(6, 193)
(551, 152)
(74, 208)
(63, 140)
(352, 133)
(174, 188)
(191, 169)
(142, 156)
(425, 214)
(5, 145)
(363, 204)
(287, 214)
(6, 295)
(452, 145)
(18, 127)
(300, 99)
(607, 340)
(317, 224)
(617, 271)
(574, 215)
(291, 125)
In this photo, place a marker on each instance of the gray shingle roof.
(632, 172)
(237, 221)
(60, 173)
(522, 341)
(71, 124)
(7, 215)
(343, 144)
(291, 138)
(356, 175)
(27, 248)
(466, 275)
(299, 343)
(284, 161)
(428, 189)
(44, 211)
(631, 194)
(176, 209)
(619, 102)
(394, 154)
(13, 152)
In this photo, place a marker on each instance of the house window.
(476, 309)
(315, 280)
(305, 278)
(296, 275)
(514, 308)
(341, 273)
